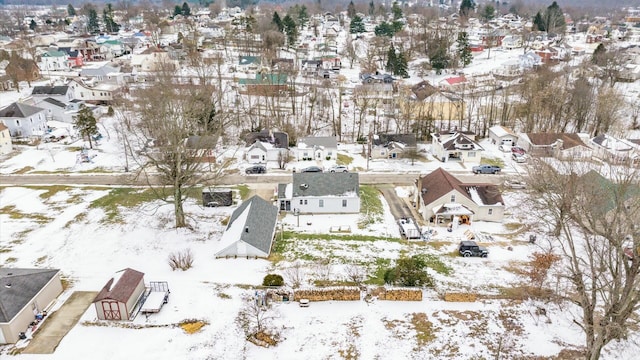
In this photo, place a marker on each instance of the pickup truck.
(486, 169)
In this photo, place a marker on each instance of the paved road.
(59, 323)
(232, 179)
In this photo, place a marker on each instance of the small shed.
(217, 197)
(120, 295)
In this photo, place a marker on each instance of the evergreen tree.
(396, 11)
(85, 123)
(554, 19)
(372, 8)
(440, 59)
(384, 29)
(177, 10)
(466, 6)
(464, 50)
(402, 66)
(92, 24)
(277, 21)
(186, 10)
(33, 25)
(598, 57)
(357, 25)
(351, 10)
(538, 23)
(107, 18)
(290, 29)
(302, 15)
(71, 11)
(391, 59)
(488, 12)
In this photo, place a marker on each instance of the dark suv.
(470, 248)
(256, 169)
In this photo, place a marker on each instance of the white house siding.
(481, 212)
(22, 320)
(34, 125)
(5, 141)
(256, 156)
(242, 249)
(135, 296)
(330, 205)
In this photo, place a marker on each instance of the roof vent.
(7, 285)
(304, 186)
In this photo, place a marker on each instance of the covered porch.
(452, 213)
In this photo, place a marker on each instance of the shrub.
(273, 280)
(328, 157)
(182, 260)
(409, 271)
(110, 111)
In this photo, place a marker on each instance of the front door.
(111, 310)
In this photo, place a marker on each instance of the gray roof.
(384, 139)
(282, 191)
(18, 287)
(325, 184)
(50, 90)
(55, 102)
(324, 141)
(260, 223)
(201, 142)
(19, 110)
(101, 71)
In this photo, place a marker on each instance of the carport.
(449, 211)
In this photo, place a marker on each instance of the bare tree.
(255, 317)
(591, 218)
(180, 123)
(355, 273)
(294, 275)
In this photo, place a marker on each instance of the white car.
(338, 168)
(519, 158)
(504, 148)
(515, 184)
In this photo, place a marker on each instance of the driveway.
(399, 207)
(59, 323)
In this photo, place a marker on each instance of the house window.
(255, 157)
(305, 202)
(471, 154)
(490, 211)
(17, 122)
(301, 202)
(321, 203)
(344, 203)
(453, 198)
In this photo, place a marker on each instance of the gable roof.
(460, 139)
(55, 102)
(320, 141)
(3, 127)
(440, 182)
(548, 139)
(384, 139)
(50, 90)
(126, 281)
(18, 287)
(201, 142)
(19, 110)
(325, 184)
(253, 223)
(276, 138)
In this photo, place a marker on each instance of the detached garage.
(25, 293)
(119, 297)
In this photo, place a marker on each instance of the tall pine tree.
(464, 49)
(277, 21)
(402, 66)
(391, 59)
(466, 7)
(351, 10)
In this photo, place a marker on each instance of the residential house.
(442, 198)
(264, 84)
(202, 148)
(102, 93)
(282, 65)
(54, 60)
(424, 101)
(62, 93)
(25, 294)
(501, 135)
(311, 67)
(277, 138)
(20, 69)
(263, 152)
(111, 49)
(511, 42)
(152, 59)
(104, 73)
(119, 296)
(616, 151)
(316, 148)
(392, 146)
(378, 78)
(250, 230)
(456, 146)
(5, 140)
(74, 57)
(321, 193)
(56, 110)
(249, 63)
(558, 145)
(24, 120)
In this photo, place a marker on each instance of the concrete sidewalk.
(59, 323)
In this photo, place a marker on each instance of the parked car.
(504, 148)
(519, 158)
(256, 169)
(486, 169)
(304, 302)
(339, 168)
(518, 150)
(470, 248)
(312, 169)
(213, 204)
